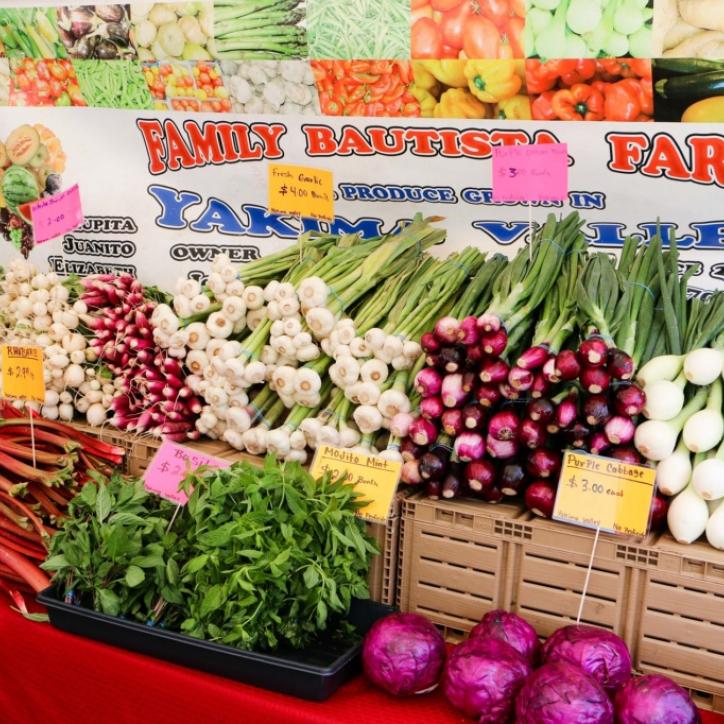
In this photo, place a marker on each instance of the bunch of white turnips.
(35, 309)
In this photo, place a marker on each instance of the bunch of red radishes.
(151, 395)
(492, 430)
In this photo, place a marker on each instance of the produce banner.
(163, 192)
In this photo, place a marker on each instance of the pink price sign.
(170, 465)
(55, 215)
(533, 172)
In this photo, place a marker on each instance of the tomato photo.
(44, 83)
(467, 29)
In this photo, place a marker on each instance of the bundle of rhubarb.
(37, 482)
(496, 413)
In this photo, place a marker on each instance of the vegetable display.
(365, 88)
(588, 28)
(259, 30)
(96, 31)
(688, 29)
(467, 29)
(193, 86)
(270, 86)
(4, 81)
(364, 29)
(30, 33)
(584, 670)
(471, 89)
(172, 31)
(112, 85)
(36, 486)
(689, 90)
(258, 558)
(44, 83)
(404, 654)
(606, 89)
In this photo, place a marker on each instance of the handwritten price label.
(373, 476)
(170, 465)
(55, 215)
(595, 491)
(533, 172)
(301, 191)
(22, 373)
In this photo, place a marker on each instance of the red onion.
(626, 454)
(595, 379)
(452, 391)
(543, 463)
(432, 466)
(491, 494)
(504, 425)
(452, 486)
(508, 391)
(659, 509)
(410, 450)
(468, 332)
(598, 443)
(511, 479)
(411, 472)
(533, 358)
(567, 366)
(489, 323)
(469, 381)
(565, 414)
(469, 446)
(494, 343)
(577, 435)
(422, 431)
(541, 410)
(550, 372)
(540, 497)
(620, 365)
(452, 358)
(501, 449)
(629, 400)
(493, 371)
(520, 379)
(473, 417)
(620, 430)
(431, 407)
(531, 434)
(593, 351)
(428, 382)
(488, 395)
(480, 475)
(433, 488)
(540, 387)
(429, 343)
(474, 356)
(446, 330)
(452, 422)
(595, 409)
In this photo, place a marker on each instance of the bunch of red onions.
(492, 430)
(151, 395)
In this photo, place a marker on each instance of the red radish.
(540, 498)
(480, 475)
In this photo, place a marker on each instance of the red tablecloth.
(49, 676)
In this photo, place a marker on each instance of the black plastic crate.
(313, 673)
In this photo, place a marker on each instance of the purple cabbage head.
(561, 693)
(600, 653)
(512, 629)
(403, 654)
(654, 699)
(482, 677)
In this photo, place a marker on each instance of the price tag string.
(588, 576)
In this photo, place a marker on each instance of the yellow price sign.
(371, 475)
(600, 492)
(301, 191)
(22, 372)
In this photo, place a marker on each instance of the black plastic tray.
(313, 673)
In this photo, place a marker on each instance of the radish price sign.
(22, 373)
(170, 465)
(56, 215)
(530, 173)
(371, 475)
(300, 191)
(606, 494)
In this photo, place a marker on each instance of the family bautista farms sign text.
(163, 193)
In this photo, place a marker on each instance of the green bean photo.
(357, 29)
(113, 84)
